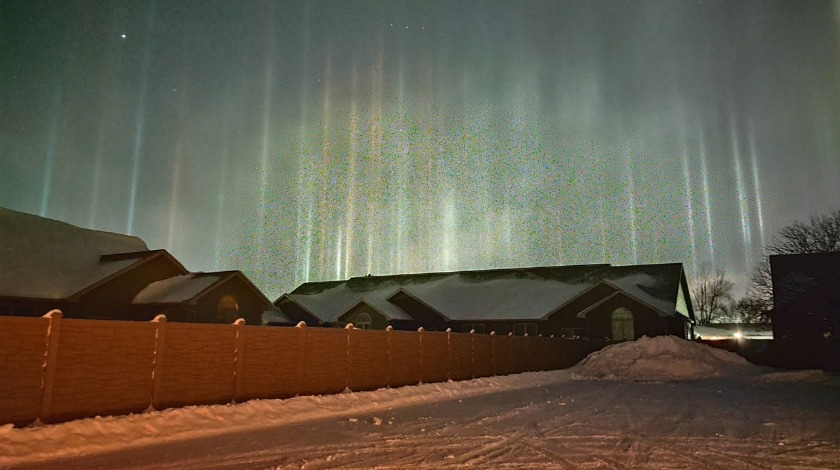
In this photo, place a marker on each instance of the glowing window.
(622, 324)
(228, 309)
(363, 321)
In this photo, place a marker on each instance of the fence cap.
(54, 313)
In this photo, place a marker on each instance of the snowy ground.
(639, 404)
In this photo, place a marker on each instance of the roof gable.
(189, 288)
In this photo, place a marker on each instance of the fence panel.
(405, 358)
(102, 368)
(325, 361)
(271, 362)
(503, 355)
(519, 354)
(482, 355)
(434, 346)
(197, 365)
(23, 345)
(460, 356)
(368, 360)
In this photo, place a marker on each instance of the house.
(46, 264)
(806, 304)
(594, 301)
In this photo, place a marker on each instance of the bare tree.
(820, 235)
(712, 295)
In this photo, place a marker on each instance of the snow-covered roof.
(331, 303)
(177, 288)
(49, 259)
(500, 294)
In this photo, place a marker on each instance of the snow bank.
(661, 358)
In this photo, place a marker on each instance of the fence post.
(449, 354)
(493, 352)
(420, 349)
(53, 334)
(348, 364)
(389, 333)
(160, 336)
(301, 326)
(472, 354)
(238, 353)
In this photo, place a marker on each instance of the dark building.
(596, 301)
(46, 264)
(805, 295)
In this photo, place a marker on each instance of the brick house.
(595, 301)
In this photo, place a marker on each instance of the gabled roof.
(48, 259)
(188, 288)
(330, 300)
(139, 257)
(497, 294)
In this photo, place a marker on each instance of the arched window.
(622, 324)
(363, 321)
(228, 309)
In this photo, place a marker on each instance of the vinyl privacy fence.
(57, 369)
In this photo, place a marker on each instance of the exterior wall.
(377, 320)
(646, 321)
(430, 319)
(23, 345)
(566, 316)
(197, 363)
(112, 300)
(297, 314)
(103, 368)
(806, 304)
(251, 305)
(26, 307)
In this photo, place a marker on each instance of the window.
(228, 309)
(521, 329)
(363, 321)
(477, 327)
(622, 324)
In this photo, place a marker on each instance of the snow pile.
(661, 358)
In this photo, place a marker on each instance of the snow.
(730, 415)
(175, 289)
(48, 259)
(661, 358)
(496, 299)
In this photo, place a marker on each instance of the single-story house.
(594, 301)
(47, 264)
(806, 303)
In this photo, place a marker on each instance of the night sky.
(316, 140)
